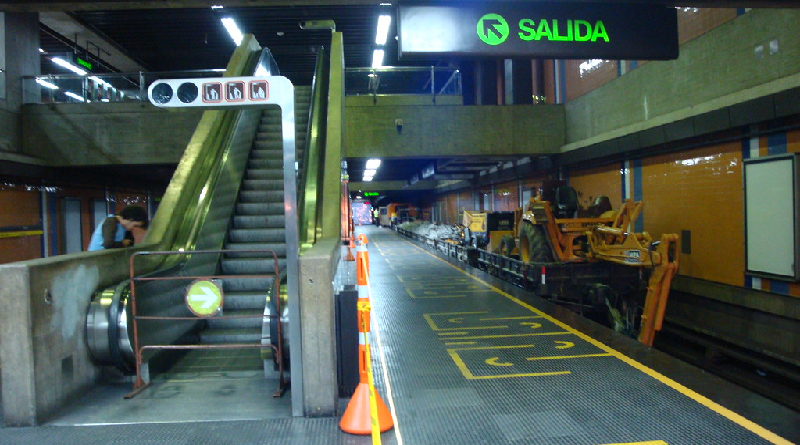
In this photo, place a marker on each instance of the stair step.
(260, 196)
(259, 221)
(264, 235)
(254, 320)
(250, 264)
(266, 209)
(239, 299)
(221, 336)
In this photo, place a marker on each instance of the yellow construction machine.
(599, 263)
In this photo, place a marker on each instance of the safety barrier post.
(366, 413)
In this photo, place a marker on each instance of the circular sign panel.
(204, 298)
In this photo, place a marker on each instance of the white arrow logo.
(208, 299)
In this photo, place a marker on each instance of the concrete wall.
(715, 70)
(20, 57)
(45, 333)
(451, 130)
(107, 133)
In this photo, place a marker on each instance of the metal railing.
(395, 80)
(132, 87)
(272, 311)
(111, 87)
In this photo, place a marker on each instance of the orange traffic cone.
(357, 416)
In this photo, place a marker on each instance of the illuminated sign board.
(370, 193)
(85, 63)
(538, 30)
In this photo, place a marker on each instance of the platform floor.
(460, 358)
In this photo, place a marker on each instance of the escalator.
(235, 211)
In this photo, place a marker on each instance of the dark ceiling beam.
(81, 5)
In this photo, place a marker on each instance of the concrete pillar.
(19, 56)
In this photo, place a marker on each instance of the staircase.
(257, 224)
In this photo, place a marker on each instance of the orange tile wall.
(700, 191)
(600, 181)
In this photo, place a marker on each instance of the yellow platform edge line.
(705, 401)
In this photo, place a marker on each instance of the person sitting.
(117, 230)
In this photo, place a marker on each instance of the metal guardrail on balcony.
(111, 87)
(127, 87)
(421, 80)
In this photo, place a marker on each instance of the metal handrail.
(313, 155)
(139, 385)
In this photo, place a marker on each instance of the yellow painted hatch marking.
(452, 333)
(649, 442)
(565, 344)
(705, 401)
(511, 318)
(466, 372)
(456, 343)
(477, 337)
(494, 361)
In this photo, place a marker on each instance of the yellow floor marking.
(455, 343)
(478, 337)
(705, 401)
(434, 326)
(452, 333)
(562, 357)
(511, 318)
(423, 297)
(494, 362)
(473, 328)
(466, 372)
(649, 442)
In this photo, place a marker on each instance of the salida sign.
(539, 30)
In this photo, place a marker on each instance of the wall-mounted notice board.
(771, 222)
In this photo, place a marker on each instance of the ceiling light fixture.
(233, 30)
(46, 84)
(383, 29)
(64, 64)
(373, 164)
(75, 96)
(377, 58)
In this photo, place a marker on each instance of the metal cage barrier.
(273, 310)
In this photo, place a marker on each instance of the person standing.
(116, 230)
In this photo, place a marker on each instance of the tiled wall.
(695, 192)
(574, 78)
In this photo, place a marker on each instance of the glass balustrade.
(132, 87)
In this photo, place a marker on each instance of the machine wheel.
(507, 245)
(533, 245)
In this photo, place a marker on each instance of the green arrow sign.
(492, 29)
(204, 298)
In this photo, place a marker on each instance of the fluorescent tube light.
(377, 58)
(233, 30)
(100, 81)
(46, 84)
(383, 29)
(74, 96)
(64, 64)
(373, 164)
